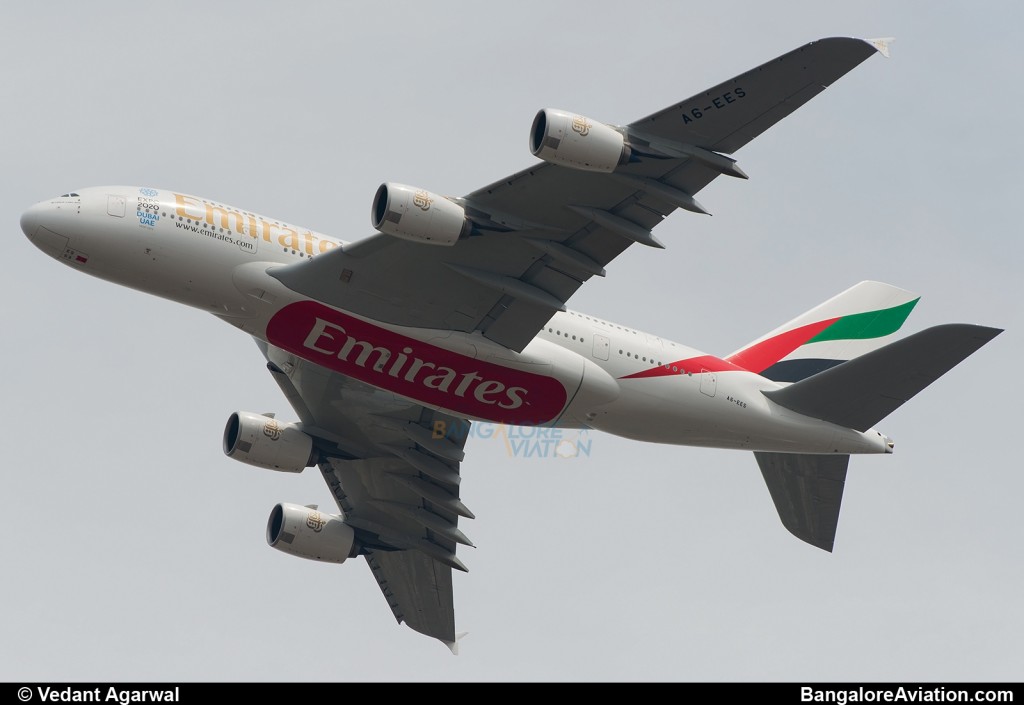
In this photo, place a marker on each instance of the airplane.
(454, 312)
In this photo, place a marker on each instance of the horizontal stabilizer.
(861, 392)
(807, 491)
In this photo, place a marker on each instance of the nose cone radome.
(48, 224)
(32, 219)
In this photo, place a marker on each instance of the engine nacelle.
(308, 533)
(417, 215)
(574, 141)
(267, 443)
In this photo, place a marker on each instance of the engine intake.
(267, 443)
(577, 142)
(308, 533)
(419, 216)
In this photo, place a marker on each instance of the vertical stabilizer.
(863, 318)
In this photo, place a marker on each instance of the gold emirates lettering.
(251, 225)
(322, 339)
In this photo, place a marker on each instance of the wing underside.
(392, 467)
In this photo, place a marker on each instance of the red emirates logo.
(420, 371)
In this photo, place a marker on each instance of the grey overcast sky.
(134, 550)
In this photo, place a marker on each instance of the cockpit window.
(70, 195)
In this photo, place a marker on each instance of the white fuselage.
(579, 371)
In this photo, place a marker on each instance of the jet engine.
(417, 215)
(576, 142)
(308, 533)
(267, 443)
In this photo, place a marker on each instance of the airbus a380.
(455, 312)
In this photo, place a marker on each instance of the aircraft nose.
(32, 219)
(45, 225)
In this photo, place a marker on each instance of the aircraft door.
(708, 382)
(116, 206)
(601, 347)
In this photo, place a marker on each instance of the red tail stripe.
(763, 355)
(693, 365)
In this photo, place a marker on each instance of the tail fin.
(808, 489)
(861, 319)
(860, 393)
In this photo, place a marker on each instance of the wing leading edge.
(545, 230)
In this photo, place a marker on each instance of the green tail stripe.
(871, 324)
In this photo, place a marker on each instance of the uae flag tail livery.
(863, 318)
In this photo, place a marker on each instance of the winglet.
(882, 44)
(454, 645)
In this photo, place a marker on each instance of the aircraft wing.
(542, 232)
(393, 469)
